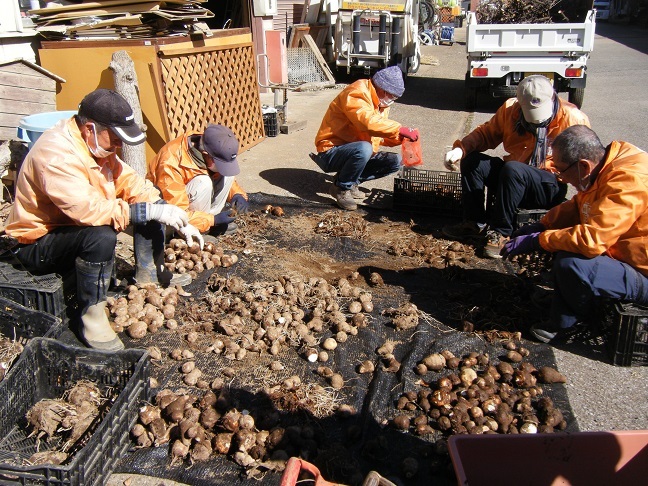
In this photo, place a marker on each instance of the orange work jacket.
(500, 129)
(354, 116)
(610, 217)
(61, 184)
(172, 169)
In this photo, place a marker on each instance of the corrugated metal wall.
(289, 13)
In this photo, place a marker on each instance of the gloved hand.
(190, 233)
(168, 214)
(453, 158)
(223, 217)
(527, 229)
(239, 203)
(411, 133)
(521, 244)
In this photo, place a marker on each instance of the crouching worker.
(525, 178)
(599, 236)
(353, 128)
(196, 173)
(73, 195)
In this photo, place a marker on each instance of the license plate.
(546, 75)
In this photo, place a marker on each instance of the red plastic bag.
(411, 151)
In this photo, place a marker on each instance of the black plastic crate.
(626, 334)
(270, 124)
(40, 292)
(527, 216)
(22, 324)
(46, 369)
(428, 191)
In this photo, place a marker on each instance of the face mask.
(385, 102)
(98, 152)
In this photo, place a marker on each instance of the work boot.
(356, 193)
(493, 244)
(464, 230)
(93, 280)
(148, 246)
(343, 198)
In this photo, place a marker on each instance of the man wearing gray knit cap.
(355, 125)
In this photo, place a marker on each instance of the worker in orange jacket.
(73, 195)
(355, 125)
(599, 236)
(525, 178)
(196, 172)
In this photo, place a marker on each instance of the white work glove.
(453, 158)
(191, 233)
(168, 214)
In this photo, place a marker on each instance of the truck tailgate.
(529, 38)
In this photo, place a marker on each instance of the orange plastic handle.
(295, 466)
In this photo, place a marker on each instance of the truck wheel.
(576, 95)
(471, 98)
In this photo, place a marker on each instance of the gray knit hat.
(391, 80)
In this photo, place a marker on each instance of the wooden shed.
(25, 89)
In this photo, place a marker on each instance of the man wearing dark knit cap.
(74, 194)
(355, 125)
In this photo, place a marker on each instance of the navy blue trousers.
(511, 185)
(580, 282)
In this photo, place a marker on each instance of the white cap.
(535, 95)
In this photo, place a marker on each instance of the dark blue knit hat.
(391, 80)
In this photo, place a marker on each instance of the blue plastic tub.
(32, 126)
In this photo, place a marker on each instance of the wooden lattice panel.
(213, 85)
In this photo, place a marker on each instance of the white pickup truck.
(501, 55)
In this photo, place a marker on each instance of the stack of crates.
(39, 292)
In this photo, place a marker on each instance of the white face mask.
(385, 102)
(98, 152)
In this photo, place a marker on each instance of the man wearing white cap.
(74, 194)
(355, 125)
(196, 172)
(525, 178)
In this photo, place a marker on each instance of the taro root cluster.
(63, 421)
(10, 349)
(476, 396)
(182, 258)
(145, 309)
(431, 250)
(199, 427)
(287, 312)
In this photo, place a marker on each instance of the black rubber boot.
(148, 246)
(93, 280)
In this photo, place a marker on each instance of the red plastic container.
(581, 458)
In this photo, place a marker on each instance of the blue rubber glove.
(527, 229)
(224, 217)
(239, 203)
(521, 244)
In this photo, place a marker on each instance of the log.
(126, 85)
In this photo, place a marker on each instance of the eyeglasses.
(562, 172)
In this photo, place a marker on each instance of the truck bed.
(529, 39)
